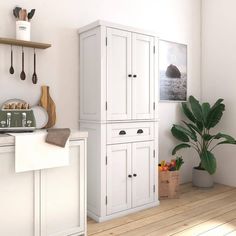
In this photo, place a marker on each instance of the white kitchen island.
(49, 202)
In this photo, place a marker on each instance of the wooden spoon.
(11, 70)
(34, 77)
(24, 14)
(21, 15)
(22, 74)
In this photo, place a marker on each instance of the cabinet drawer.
(130, 132)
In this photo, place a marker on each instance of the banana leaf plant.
(196, 132)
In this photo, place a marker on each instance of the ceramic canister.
(23, 30)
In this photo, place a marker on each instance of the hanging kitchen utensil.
(11, 70)
(22, 74)
(34, 77)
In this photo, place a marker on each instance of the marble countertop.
(8, 140)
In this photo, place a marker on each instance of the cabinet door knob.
(134, 76)
(140, 131)
(135, 175)
(122, 132)
(129, 75)
(130, 176)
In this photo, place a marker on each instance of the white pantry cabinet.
(50, 202)
(118, 95)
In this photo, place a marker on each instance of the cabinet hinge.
(106, 41)
(106, 106)
(154, 153)
(106, 160)
(106, 200)
(154, 106)
(154, 49)
(154, 188)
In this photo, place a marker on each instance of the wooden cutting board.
(47, 103)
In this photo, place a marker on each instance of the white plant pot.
(23, 30)
(201, 178)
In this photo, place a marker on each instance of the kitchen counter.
(44, 202)
(8, 140)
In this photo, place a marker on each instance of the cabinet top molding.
(24, 43)
(116, 26)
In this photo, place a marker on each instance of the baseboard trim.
(122, 213)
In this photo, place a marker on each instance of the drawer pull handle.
(140, 131)
(122, 132)
(129, 75)
(130, 176)
(135, 175)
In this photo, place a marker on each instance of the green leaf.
(190, 128)
(226, 136)
(195, 128)
(199, 125)
(208, 162)
(208, 137)
(180, 146)
(214, 116)
(179, 135)
(196, 108)
(187, 112)
(191, 134)
(217, 103)
(179, 162)
(226, 142)
(205, 111)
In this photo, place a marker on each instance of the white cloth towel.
(32, 153)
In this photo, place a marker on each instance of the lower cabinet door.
(63, 195)
(143, 173)
(18, 213)
(119, 178)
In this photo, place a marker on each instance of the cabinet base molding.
(122, 213)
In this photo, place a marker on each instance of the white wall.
(56, 22)
(219, 77)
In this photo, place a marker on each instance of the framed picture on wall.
(172, 71)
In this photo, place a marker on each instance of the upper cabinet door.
(118, 74)
(143, 76)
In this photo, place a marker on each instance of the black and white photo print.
(172, 71)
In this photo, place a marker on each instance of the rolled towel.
(58, 137)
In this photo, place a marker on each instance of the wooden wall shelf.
(23, 43)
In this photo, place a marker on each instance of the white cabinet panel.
(118, 182)
(90, 68)
(143, 173)
(143, 76)
(118, 69)
(64, 215)
(16, 198)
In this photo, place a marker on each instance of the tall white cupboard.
(118, 97)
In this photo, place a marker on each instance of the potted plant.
(196, 134)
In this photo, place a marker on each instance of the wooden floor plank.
(222, 229)
(233, 233)
(211, 224)
(191, 200)
(166, 223)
